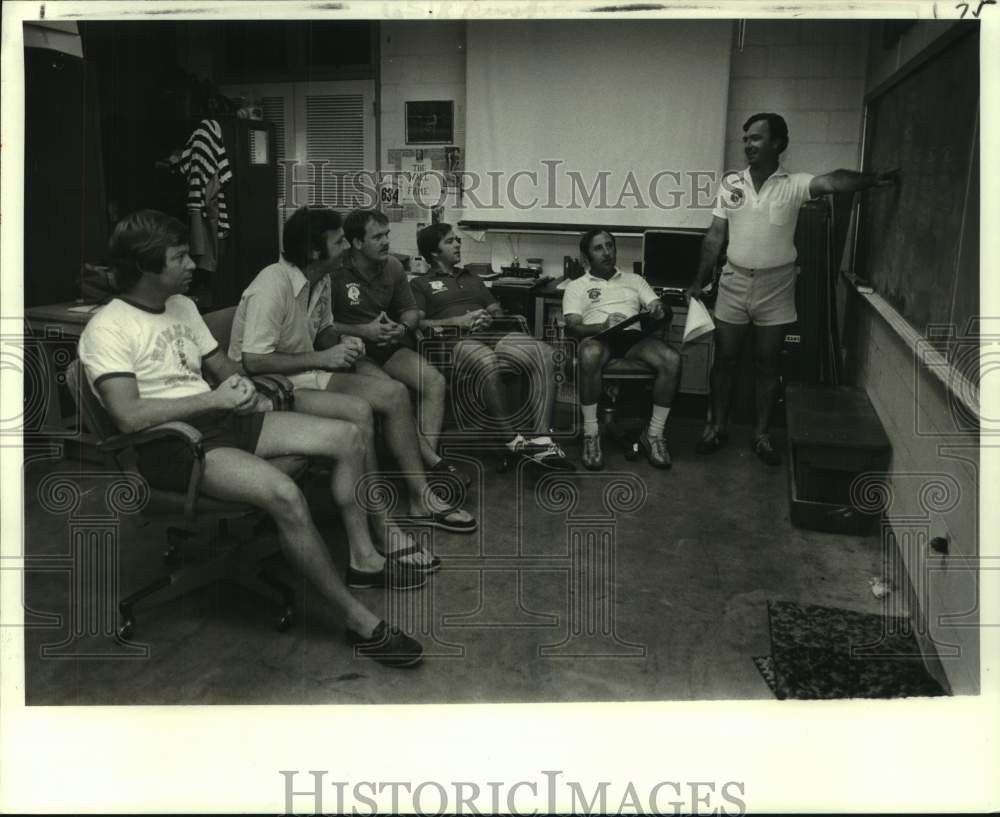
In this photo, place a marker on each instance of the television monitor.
(670, 258)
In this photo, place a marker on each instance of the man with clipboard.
(616, 314)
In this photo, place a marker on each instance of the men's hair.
(139, 244)
(304, 231)
(776, 127)
(357, 222)
(589, 236)
(429, 239)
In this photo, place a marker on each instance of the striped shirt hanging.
(204, 158)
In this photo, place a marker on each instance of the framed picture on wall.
(430, 122)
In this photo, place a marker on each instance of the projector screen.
(578, 122)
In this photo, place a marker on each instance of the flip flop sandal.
(441, 521)
(422, 567)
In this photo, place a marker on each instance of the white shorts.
(763, 297)
(313, 379)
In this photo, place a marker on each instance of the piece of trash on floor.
(880, 587)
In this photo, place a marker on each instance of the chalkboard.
(918, 243)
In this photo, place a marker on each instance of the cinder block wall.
(812, 73)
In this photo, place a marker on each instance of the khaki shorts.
(313, 379)
(763, 297)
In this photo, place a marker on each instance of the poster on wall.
(422, 178)
(430, 122)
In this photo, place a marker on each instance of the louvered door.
(324, 138)
(334, 144)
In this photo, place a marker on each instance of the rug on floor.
(765, 666)
(828, 652)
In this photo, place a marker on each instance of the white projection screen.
(578, 122)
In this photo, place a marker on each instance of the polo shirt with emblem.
(442, 295)
(362, 290)
(762, 223)
(595, 299)
(279, 312)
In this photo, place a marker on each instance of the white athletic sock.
(590, 427)
(657, 421)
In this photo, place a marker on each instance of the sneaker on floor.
(541, 451)
(388, 646)
(593, 457)
(655, 449)
(765, 451)
(394, 575)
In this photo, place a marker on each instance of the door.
(324, 135)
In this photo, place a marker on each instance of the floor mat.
(828, 652)
(765, 666)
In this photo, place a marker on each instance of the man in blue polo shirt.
(456, 302)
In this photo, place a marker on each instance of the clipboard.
(618, 327)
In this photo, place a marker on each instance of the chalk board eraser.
(862, 285)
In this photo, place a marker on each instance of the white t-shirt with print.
(594, 299)
(161, 350)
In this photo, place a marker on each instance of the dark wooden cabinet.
(253, 208)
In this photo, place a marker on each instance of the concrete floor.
(678, 613)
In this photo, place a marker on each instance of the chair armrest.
(278, 388)
(188, 433)
(510, 323)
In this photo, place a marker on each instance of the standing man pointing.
(756, 211)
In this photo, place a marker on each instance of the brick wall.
(422, 61)
(812, 73)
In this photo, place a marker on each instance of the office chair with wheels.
(190, 514)
(626, 400)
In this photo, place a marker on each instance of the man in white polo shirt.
(284, 325)
(756, 211)
(598, 300)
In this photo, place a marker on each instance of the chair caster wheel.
(125, 631)
(632, 452)
(285, 621)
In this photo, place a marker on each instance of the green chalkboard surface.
(918, 243)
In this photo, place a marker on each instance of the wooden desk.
(53, 330)
(516, 296)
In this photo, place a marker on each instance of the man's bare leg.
(414, 371)
(729, 340)
(289, 432)
(537, 359)
(390, 400)
(477, 367)
(368, 368)
(231, 474)
(358, 412)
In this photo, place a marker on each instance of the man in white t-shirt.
(143, 354)
(284, 325)
(598, 300)
(756, 211)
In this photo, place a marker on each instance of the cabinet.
(697, 356)
(253, 241)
